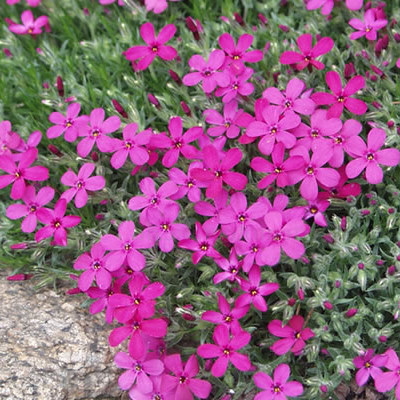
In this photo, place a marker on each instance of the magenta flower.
(279, 169)
(254, 291)
(94, 264)
(369, 365)
(164, 229)
(8, 140)
(33, 203)
(188, 186)
(138, 370)
(29, 26)
(293, 333)
(155, 46)
(315, 209)
(138, 329)
(31, 3)
(56, 223)
(237, 217)
(227, 317)
(133, 145)
(236, 53)
(178, 143)
(238, 85)
(218, 172)
(156, 6)
(291, 98)
(368, 156)
(280, 235)
(228, 123)
(140, 301)
(277, 388)
(207, 71)
(274, 128)
(230, 267)
(158, 391)
(252, 247)
(202, 246)
(369, 27)
(17, 174)
(69, 124)
(387, 380)
(340, 98)
(312, 173)
(183, 383)
(124, 248)
(308, 54)
(225, 350)
(96, 132)
(81, 183)
(152, 199)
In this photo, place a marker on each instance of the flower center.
(277, 389)
(338, 140)
(367, 365)
(313, 210)
(227, 352)
(254, 249)
(18, 174)
(227, 124)
(128, 145)
(234, 270)
(95, 132)
(235, 86)
(178, 144)
(68, 124)
(288, 103)
(30, 30)
(79, 184)
(242, 218)
(182, 379)
(228, 318)
(370, 156)
(307, 58)
(278, 170)
(254, 292)
(129, 271)
(136, 326)
(32, 209)
(137, 301)
(274, 130)
(165, 227)
(154, 49)
(207, 73)
(138, 368)
(297, 335)
(127, 247)
(57, 224)
(310, 171)
(368, 29)
(190, 184)
(157, 397)
(204, 247)
(236, 57)
(154, 200)
(315, 133)
(96, 265)
(340, 99)
(277, 237)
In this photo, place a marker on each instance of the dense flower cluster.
(290, 138)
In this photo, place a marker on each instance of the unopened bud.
(263, 19)
(391, 270)
(175, 77)
(119, 108)
(323, 388)
(19, 277)
(328, 305)
(239, 19)
(94, 156)
(191, 25)
(55, 150)
(60, 86)
(351, 312)
(349, 70)
(19, 246)
(186, 109)
(328, 238)
(383, 338)
(291, 302)
(300, 294)
(343, 224)
(284, 28)
(7, 52)
(153, 100)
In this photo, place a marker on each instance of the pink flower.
(158, 390)
(31, 3)
(274, 128)
(164, 229)
(152, 199)
(277, 388)
(238, 85)
(315, 210)
(294, 335)
(183, 383)
(138, 370)
(236, 54)
(368, 156)
(17, 174)
(227, 317)
(94, 264)
(207, 71)
(56, 223)
(33, 203)
(254, 291)
(140, 301)
(230, 267)
(138, 329)
(291, 98)
(280, 234)
(144, 55)
(308, 54)
(340, 98)
(217, 172)
(124, 248)
(81, 183)
(369, 365)
(369, 27)
(225, 350)
(387, 380)
(8, 140)
(178, 143)
(229, 123)
(29, 26)
(69, 124)
(96, 132)
(132, 146)
(237, 217)
(327, 6)
(312, 173)
(202, 246)
(279, 169)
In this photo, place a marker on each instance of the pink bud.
(153, 100)
(119, 108)
(291, 302)
(391, 270)
(86, 11)
(263, 19)
(94, 156)
(55, 150)
(397, 37)
(351, 312)
(323, 388)
(338, 284)
(360, 265)
(188, 317)
(99, 217)
(239, 19)
(19, 277)
(7, 52)
(175, 77)
(284, 28)
(18, 246)
(390, 124)
(60, 86)
(343, 223)
(300, 294)
(382, 338)
(365, 212)
(328, 238)
(380, 262)
(186, 109)
(328, 305)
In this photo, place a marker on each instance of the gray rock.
(51, 348)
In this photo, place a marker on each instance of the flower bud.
(175, 77)
(291, 302)
(390, 124)
(382, 338)
(186, 109)
(19, 277)
(153, 100)
(391, 270)
(300, 294)
(94, 156)
(239, 19)
(119, 108)
(7, 52)
(323, 388)
(263, 19)
(328, 238)
(328, 305)
(397, 37)
(343, 223)
(284, 28)
(349, 70)
(188, 317)
(60, 86)
(351, 312)
(360, 265)
(55, 150)
(191, 25)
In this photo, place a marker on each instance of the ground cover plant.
(220, 179)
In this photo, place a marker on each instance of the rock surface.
(51, 348)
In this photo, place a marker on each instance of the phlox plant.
(220, 181)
